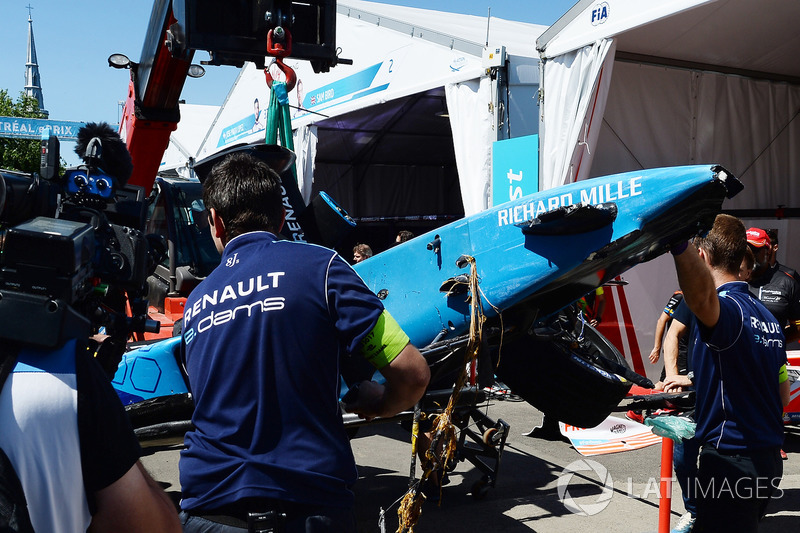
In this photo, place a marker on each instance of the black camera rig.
(74, 260)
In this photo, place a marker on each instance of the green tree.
(19, 154)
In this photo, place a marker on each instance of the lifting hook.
(279, 45)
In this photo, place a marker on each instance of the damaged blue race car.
(533, 258)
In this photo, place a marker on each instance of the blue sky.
(74, 40)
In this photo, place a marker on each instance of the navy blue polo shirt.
(262, 337)
(736, 365)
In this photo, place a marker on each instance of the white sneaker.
(685, 524)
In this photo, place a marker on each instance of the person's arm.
(661, 325)
(671, 344)
(785, 389)
(126, 498)
(697, 285)
(134, 504)
(407, 377)
(785, 386)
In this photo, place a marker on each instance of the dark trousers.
(733, 489)
(312, 519)
(685, 461)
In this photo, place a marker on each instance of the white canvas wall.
(658, 116)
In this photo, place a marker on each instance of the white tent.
(631, 85)
(685, 81)
(376, 132)
(185, 141)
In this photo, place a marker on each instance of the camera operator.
(71, 444)
(65, 434)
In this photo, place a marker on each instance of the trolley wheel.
(480, 488)
(490, 437)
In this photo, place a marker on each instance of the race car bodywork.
(533, 257)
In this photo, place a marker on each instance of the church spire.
(33, 84)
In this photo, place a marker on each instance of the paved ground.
(525, 497)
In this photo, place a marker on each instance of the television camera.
(74, 260)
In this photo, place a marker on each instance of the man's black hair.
(772, 233)
(246, 193)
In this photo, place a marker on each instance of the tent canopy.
(185, 141)
(687, 81)
(468, 33)
(755, 39)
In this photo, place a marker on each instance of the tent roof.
(464, 32)
(757, 39)
(185, 141)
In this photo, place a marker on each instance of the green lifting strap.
(279, 120)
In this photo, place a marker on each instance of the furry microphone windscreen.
(115, 159)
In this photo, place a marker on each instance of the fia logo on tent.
(600, 13)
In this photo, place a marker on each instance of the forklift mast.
(231, 32)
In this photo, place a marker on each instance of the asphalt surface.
(525, 496)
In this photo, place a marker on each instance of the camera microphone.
(94, 152)
(101, 147)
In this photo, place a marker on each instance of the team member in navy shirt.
(263, 337)
(740, 377)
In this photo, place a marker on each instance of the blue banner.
(241, 128)
(347, 89)
(350, 85)
(31, 128)
(515, 168)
